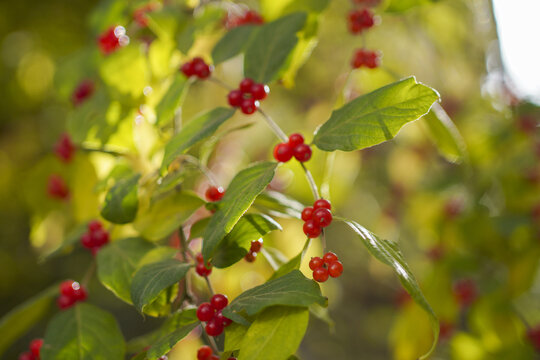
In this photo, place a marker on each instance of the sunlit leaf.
(165, 344)
(121, 202)
(445, 134)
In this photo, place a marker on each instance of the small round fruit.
(204, 352)
(64, 302)
(80, 292)
(307, 213)
(315, 263)
(249, 106)
(283, 152)
(219, 301)
(251, 257)
(67, 288)
(199, 258)
(311, 229)
(302, 152)
(100, 237)
(322, 203)
(246, 85)
(223, 319)
(323, 217)
(329, 258)
(201, 69)
(95, 225)
(259, 91)
(296, 139)
(335, 269)
(214, 193)
(205, 312)
(27, 356)
(214, 328)
(235, 98)
(35, 347)
(320, 274)
(256, 246)
(202, 270)
(188, 69)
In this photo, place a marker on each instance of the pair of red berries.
(210, 312)
(112, 39)
(201, 268)
(83, 91)
(256, 246)
(196, 67)
(70, 293)
(95, 237)
(247, 96)
(360, 20)
(329, 265)
(205, 353)
(214, 193)
(365, 58)
(296, 147)
(35, 348)
(64, 148)
(250, 17)
(317, 217)
(57, 187)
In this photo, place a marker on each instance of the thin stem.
(323, 241)
(210, 288)
(210, 340)
(89, 273)
(184, 244)
(206, 171)
(311, 182)
(102, 150)
(275, 127)
(220, 83)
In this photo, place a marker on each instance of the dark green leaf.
(117, 262)
(194, 131)
(237, 243)
(445, 134)
(18, 321)
(171, 101)
(275, 334)
(270, 47)
(293, 289)
(388, 253)
(375, 117)
(234, 334)
(83, 332)
(121, 202)
(240, 194)
(232, 43)
(164, 345)
(153, 278)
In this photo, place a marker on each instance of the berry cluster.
(201, 268)
(196, 67)
(95, 237)
(317, 217)
(57, 187)
(360, 20)
(365, 58)
(214, 194)
(256, 246)
(83, 91)
(112, 39)
(211, 314)
(64, 148)
(328, 265)
(296, 147)
(33, 354)
(70, 293)
(247, 96)
(139, 15)
(250, 17)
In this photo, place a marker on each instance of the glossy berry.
(188, 69)
(245, 85)
(249, 106)
(205, 312)
(320, 274)
(259, 91)
(360, 20)
(235, 98)
(95, 237)
(204, 352)
(251, 256)
(311, 229)
(57, 187)
(302, 152)
(322, 217)
(322, 203)
(214, 193)
(329, 258)
(83, 91)
(35, 347)
(307, 213)
(315, 263)
(196, 67)
(199, 258)
(219, 317)
(335, 269)
(296, 139)
(256, 246)
(365, 58)
(112, 39)
(64, 302)
(202, 269)
(465, 292)
(283, 152)
(27, 356)
(214, 328)
(70, 293)
(219, 301)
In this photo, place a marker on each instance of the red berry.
(246, 85)
(251, 256)
(204, 352)
(302, 152)
(108, 41)
(64, 148)
(235, 98)
(68, 288)
(202, 269)
(219, 301)
(87, 241)
(315, 263)
(80, 292)
(232, 358)
(95, 225)
(311, 229)
(323, 217)
(320, 274)
(27, 356)
(259, 91)
(249, 106)
(335, 269)
(214, 328)
(83, 91)
(256, 245)
(283, 152)
(199, 258)
(57, 187)
(201, 69)
(64, 302)
(329, 258)
(214, 357)
(188, 69)
(533, 335)
(322, 204)
(465, 292)
(296, 139)
(214, 193)
(219, 317)
(100, 238)
(35, 346)
(307, 213)
(205, 312)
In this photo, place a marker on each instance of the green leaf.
(232, 43)
(292, 264)
(403, 5)
(275, 334)
(18, 321)
(164, 345)
(240, 194)
(445, 135)
(237, 243)
(293, 289)
(117, 262)
(194, 131)
(172, 100)
(71, 240)
(121, 202)
(151, 279)
(388, 253)
(270, 47)
(278, 204)
(375, 117)
(83, 332)
(234, 334)
(126, 71)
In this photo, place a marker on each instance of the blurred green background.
(469, 219)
